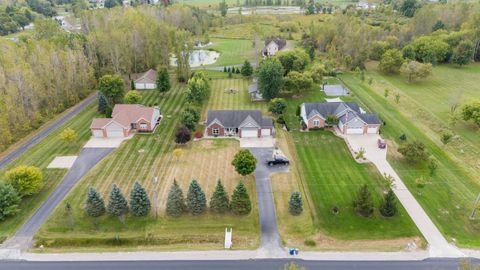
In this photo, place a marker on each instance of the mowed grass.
(140, 159)
(449, 196)
(41, 155)
(429, 101)
(232, 51)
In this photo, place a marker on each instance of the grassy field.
(328, 176)
(449, 196)
(140, 159)
(41, 155)
(432, 99)
(233, 51)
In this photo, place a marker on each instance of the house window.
(316, 123)
(215, 132)
(133, 125)
(143, 126)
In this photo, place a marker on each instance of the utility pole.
(155, 182)
(476, 205)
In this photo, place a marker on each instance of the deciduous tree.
(471, 112)
(270, 78)
(198, 88)
(68, 135)
(244, 162)
(111, 86)
(463, 53)
(391, 61)
(26, 180)
(277, 106)
(414, 151)
(415, 70)
(132, 97)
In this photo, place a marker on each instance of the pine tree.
(102, 103)
(117, 204)
(139, 201)
(175, 201)
(247, 69)
(196, 202)
(132, 85)
(295, 205)
(363, 204)
(163, 80)
(241, 204)
(94, 205)
(224, 69)
(388, 208)
(219, 201)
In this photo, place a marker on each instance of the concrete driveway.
(88, 158)
(438, 245)
(262, 142)
(270, 243)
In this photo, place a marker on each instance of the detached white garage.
(147, 80)
(249, 132)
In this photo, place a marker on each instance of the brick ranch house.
(126, 120)
(351, 118)
(239, 123)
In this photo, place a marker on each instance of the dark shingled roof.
(233, 118)
(334, 108)
(280, 42)
(253, 88)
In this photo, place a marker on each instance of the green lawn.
(41, 155)
(449, 195)
(333, 178)
(429, 102)
(232, 51)
(140, 159)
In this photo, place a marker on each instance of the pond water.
(199, 58)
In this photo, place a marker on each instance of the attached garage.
(266, 132)
(372, 130)
(97, 133)
(249, 132)
(114, 130)
(354, 130)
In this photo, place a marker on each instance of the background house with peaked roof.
(126, 119)
(351, 118)
(239, 123)
(147, 80)
(273, 45)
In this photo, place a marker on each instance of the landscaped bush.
(198, 134)
(309, 243)
(281, 120)
(420, 182)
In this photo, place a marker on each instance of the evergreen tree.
(224, 69)
(102, 103)
(117, 204)
(94, 205)
(219, 201)
(139, 201)
(237, 70)
(175, 201)
(241, 204)
(163, 80)
(295, 205)
(132, 85)
(388, 208)
(196, 202)
(363, 204)
(247, 69)
(9, 201)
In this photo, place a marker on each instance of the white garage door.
(265, 132)
(372, 130)
(114, 133)
(97, 133)
(150, 86)
(249, 133)
(352, 130)
(139, 86)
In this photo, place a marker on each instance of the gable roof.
(100, 122)
(148, 77)
(235, 118)
(279, 41)
(253, 88)
(340, 109)
(125, 114)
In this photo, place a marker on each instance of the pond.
(199, 58)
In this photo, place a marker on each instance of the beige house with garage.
(126, 120)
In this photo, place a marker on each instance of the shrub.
(68, 135)
(309, 243)
(403, 137)
(281, 120)
(414, 151)
(26, 180)
(198, 134)
(9, 201)
(132, 97)
(183, 135)
(446, 137)
(277, 106)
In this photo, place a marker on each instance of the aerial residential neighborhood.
(215, 134)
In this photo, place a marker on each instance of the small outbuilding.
(148, 80)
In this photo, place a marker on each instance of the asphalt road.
(45, 132)
(437, 264)
(270, 240)
(87, 159)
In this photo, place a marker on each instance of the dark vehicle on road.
(278, 160)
